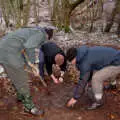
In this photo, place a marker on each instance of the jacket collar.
(81, 53)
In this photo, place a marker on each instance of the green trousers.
(20, 79)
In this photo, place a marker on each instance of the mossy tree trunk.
(61, 12)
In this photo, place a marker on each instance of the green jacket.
(24, 38)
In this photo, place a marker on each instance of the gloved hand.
(55, 80)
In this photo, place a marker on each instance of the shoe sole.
(95, 107)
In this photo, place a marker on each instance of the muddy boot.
(29, 105)
(95, 105)
(36, 111)
(108, 27)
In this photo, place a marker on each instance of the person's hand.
(55, 80)
(62, 73)
(60, 79)
(35, 70)
(71, 102)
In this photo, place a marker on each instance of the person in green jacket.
(11, 45)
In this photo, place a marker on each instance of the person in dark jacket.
(12, 58)
(104, 62)
(50, 54)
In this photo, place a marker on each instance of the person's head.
(49, 32)
(59, 59)
(71, 55)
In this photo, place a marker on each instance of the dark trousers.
(41, 63)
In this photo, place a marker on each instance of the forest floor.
(53, 101)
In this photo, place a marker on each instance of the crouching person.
(11, 57)
(96, 64)
(50, 54)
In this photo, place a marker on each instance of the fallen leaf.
(79, 118)
(1, 103)
(112, 117)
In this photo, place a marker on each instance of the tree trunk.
(61, 12)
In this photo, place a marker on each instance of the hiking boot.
(95, 105)
(36, 111)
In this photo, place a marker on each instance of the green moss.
(66, 29)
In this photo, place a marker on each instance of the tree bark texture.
(61, 12)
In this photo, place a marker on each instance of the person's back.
(12, 44)
(97, 57)
(100, 56)
(21, 35)
(51, 49)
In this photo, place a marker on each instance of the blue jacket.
(89, 59)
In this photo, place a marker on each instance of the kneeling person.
(50, 54)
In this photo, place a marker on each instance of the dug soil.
(53, 101)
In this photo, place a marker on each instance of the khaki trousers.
(100, 76)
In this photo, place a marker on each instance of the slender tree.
(61, 12)
(15, 11)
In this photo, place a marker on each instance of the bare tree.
(16, 11)
(86, 14)
(115, 12)
(61, 12)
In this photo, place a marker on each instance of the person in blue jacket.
(96, 64)
(50, 54)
